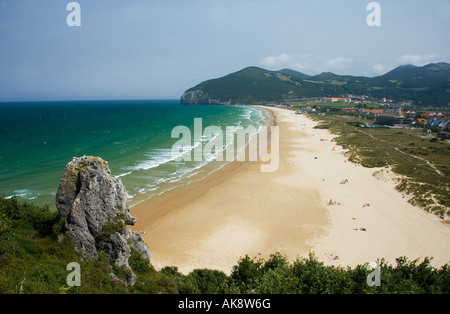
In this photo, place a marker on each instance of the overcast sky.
(154, 49)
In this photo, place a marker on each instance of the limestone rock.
(90, 199)
(199, 97)
(194, 97)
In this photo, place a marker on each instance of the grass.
(335, 82)
(421, 162)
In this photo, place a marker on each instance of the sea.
(38, 139)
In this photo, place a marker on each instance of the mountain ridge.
(426, 85)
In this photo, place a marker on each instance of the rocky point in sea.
(92, 203)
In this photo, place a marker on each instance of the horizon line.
(88, 100)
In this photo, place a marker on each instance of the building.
(393, 120)
(441, 122)
(336, 99)
(410, 114)
(374, 112)
(371, 112)
(352, 109)
(422, 121)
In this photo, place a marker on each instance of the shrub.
(246, 272)
(38, 217)
(116, 225)
(7, 241)
(139, 264)
(204, 281)
(279, 280)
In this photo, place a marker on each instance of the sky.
(156, 49)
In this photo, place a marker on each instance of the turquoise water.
(38, 139)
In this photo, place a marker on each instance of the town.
(382, 112)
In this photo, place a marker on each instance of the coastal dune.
(240, 211)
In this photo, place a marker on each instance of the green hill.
(427, 85)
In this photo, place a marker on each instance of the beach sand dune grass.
(420, 161)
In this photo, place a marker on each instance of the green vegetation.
(116, 225)
(34, 257)
(427, 85)
(421, 163)
(335, 82)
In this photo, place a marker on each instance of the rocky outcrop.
(199, 97)
(194, 97)
(92, 203)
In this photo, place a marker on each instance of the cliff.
(199, 97)
(92, 203)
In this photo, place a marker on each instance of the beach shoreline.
(238, 211)
(154, 208)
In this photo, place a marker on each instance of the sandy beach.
(240, 211)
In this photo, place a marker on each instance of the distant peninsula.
(428, 85)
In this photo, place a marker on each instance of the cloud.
(414, 59)
(418, 60)
(309, 63)
(381, 68)
(283, 59)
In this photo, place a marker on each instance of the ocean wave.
(123, 174)
(166, 179)
(24, 194)
(246, 115)
(169, 181)
(160, 156)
